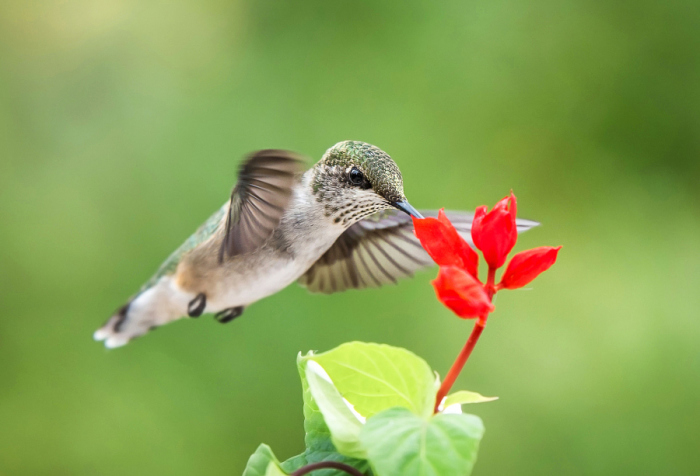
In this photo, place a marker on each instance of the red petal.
(470, 258)
(495, 232)
(513, 208)
(442, 242)
(526, 266)
(460, 292)
(502, 204)
(479, 215)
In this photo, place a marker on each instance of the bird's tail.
(157, 305)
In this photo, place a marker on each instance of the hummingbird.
(343, 224)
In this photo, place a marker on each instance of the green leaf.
(319, 446)
(402, 444)
(343, 424)
(374, 377)
(274, 470)
(464, 396)
(260, 461)
(294, 463)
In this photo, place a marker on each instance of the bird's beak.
(404, 206)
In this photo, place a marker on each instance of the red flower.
(442, 242)
(462, 293)
(457, 285)
(526, 266)
(495, 233)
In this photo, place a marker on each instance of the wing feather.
(259, 199)
(380, 250)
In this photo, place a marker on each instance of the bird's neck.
(307, 228)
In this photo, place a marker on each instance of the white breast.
(258, 284)
(309, 234)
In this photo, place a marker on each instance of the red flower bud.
(495, 233)
(526, 266)
(461, 292)
(442, 242)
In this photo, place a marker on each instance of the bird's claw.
(196, 306)
(227, 315)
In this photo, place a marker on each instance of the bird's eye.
(356, 177)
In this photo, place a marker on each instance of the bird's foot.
(227, 315)
(196, 306)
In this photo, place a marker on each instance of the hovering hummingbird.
(343, 224)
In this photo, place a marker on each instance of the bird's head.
(354, 180)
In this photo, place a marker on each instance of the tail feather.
(154, 307)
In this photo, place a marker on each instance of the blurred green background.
(121, 127)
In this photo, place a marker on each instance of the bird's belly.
(243, 290)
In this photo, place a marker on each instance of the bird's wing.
(380, 250)
(259, 199)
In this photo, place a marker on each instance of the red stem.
(327, 465)
(490, 283)
(461, 359)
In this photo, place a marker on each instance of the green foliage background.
(121, 126)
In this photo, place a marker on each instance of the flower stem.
(461, 359)
(491, 283)
(327, 465)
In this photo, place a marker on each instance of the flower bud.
(495, 232)
(462, 293)
(526, 266)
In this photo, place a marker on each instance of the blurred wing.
(259, 199)
(380, 250)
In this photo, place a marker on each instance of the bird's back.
(203, 233)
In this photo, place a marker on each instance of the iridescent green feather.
(377, 165)
(202, 234)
